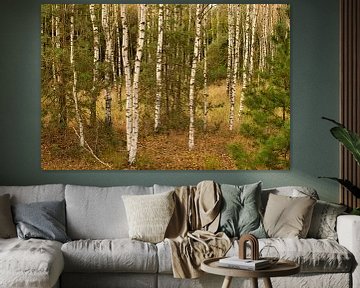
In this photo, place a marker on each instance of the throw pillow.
(323, 222)
(287, 217)
(240, 213)
(149, 215)
(43, 220)
(7, 227)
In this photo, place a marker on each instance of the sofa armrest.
(348, 230)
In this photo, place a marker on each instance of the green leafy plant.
(351, 141)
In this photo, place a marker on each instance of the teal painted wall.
(314, 93)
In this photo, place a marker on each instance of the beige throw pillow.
(7, 226)
(148, 215)
(288, 217)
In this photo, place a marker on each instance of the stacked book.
(248, 264)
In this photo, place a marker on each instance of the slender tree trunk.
(108, 53)
(159, 55)
(135, 95)
(127, 73)
(96, 59)
(235, 69)
(118, 43)
(74, 86)
(230, 49)
(192, 76)
(253, 17)
(245, 68)
(205, 75)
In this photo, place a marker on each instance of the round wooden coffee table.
(281, 268)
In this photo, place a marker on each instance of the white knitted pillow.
(149, 215)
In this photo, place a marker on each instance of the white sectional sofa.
(101, 254)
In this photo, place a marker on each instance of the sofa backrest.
(35, 193)
(98, 212)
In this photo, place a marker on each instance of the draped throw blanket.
(191, 231)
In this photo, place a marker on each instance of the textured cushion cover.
(287, 216)
(7, 227)
(117, 255)
(44, 220)
(32, 263)
(323, 222)
(240, 210)
(149, 215)
(98, 213)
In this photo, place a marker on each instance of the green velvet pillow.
(240, 213)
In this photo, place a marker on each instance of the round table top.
(281, 268)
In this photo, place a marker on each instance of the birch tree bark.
(118, 44)
(127, 73)
(96, 59)
(108, 54)
(245, 67)
(159, 55)
(235, 69)
(230, 49)
(135, 90)
(205, 75)
(192, 77)
(74, 86)
(253, 18)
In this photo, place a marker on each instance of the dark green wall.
(314, 93)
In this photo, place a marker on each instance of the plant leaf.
(348, 138)
(347, 184)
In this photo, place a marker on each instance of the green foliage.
(267, 115)
(242, 159)
(212, 163)
(351, 141)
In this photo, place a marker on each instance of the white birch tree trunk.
(127, 73)
(96, 59)
(235, 68)
(135, 90)
(230, 49)
(192, 77)
(74, 86)
(253, 17)
(205, 75)
(159, 55)
(245, 68)
(118, 43)
(108, 45)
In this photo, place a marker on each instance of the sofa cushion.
(117, 255)
(313, 255)
(98, 213)
(291, 191)
(149, 215)
(240, 212)
(287, 216)
(323, 222)
(36, 193)
(43, 220)
(30, 263)
(7, 227)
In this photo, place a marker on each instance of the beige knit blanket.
(191, 231)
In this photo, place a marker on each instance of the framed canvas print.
(165, 86)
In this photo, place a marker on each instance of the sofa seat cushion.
(313, 255)
(110, 255)
(30, 263)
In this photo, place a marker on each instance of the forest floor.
(156, 151)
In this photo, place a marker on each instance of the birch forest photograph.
(165, 86)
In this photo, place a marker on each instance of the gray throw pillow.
(43, 220)
(7, 227)
(323, 222)
(240, 213)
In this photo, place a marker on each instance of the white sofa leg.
(348, 229)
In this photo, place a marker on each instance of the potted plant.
(351, 141)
